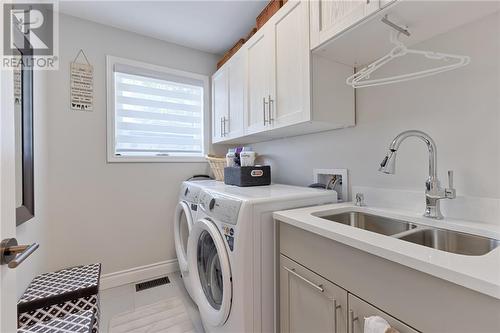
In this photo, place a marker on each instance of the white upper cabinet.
(260, 68)
(229, 98)
(237, 94)
(330, 17)
(278, 96)
(290, 96)
(220, 103)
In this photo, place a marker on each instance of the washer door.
(210, 272)
(182, 227)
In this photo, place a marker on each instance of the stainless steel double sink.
(436, 238)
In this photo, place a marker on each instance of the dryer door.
(210, 272)
(182, 227)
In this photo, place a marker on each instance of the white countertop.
(479, 273)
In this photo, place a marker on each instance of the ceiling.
(210, 26)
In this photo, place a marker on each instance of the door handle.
(264, 109)
(224, 121)
(312, 284)
(269, 110)
(13, 254)
(352, 319)
(335, 308)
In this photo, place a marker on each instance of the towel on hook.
(376, 324)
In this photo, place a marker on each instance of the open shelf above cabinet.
(369, 39)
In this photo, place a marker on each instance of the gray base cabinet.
(308, 302)
(326, 286)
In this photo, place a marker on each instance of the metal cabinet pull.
(269, 110)
(13, 254)
(264, 103)
(352, 319)
(335, 308)
(312, 284)
(221, 134)
(226, 132)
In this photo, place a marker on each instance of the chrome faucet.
(433, 190)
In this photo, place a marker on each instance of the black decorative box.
(60, 294)
(248, 175)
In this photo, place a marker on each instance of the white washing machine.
(185, 216)
(231, 252)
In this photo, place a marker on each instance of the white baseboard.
(136, 274)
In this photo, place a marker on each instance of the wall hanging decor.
(82, 84)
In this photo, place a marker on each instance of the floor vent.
(152, 283)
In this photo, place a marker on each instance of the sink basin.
(374, 223)
(452, 241)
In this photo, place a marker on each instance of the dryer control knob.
(211, 204)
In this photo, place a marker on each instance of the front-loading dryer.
(185, 215)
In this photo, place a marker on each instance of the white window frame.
(110, 110)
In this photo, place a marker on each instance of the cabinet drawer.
(308, 302)
(359, 309)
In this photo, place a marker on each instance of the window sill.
(157, 159)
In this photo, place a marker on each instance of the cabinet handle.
(352, 319)
(269, 109)
(312, 284)
(221, 125)
(335, 308)
(264, 109)
(226, 120)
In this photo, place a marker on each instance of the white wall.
(119, 214)
(459, 109)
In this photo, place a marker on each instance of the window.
(155, 113)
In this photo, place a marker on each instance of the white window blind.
(156, 113)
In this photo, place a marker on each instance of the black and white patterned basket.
(80, 322)
(60, 294)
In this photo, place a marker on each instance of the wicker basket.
(217, 165)
(272, 7)
(230, 52)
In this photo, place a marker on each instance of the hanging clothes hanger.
(362, 79)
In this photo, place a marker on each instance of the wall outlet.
(324, 176)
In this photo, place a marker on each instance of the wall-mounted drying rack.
(362, 79)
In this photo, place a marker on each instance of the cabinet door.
(329, 17)
(237, 98)
(259, 53)
(309, 303)
(220, 103)
(359, 309)
(290, 94)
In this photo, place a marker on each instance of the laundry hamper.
(217, 164)
(60, 294)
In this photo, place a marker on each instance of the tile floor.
(124, 298)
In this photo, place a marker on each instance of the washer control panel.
(228, 232)
(219, 207)
(189, 192)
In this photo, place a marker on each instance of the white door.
(8, 307)
(210, 272)
(237, 98)
(291, 102)
(260, 53)
(182, 227)
(220, 104)
(329, 17)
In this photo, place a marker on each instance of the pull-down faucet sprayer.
(433, 190)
